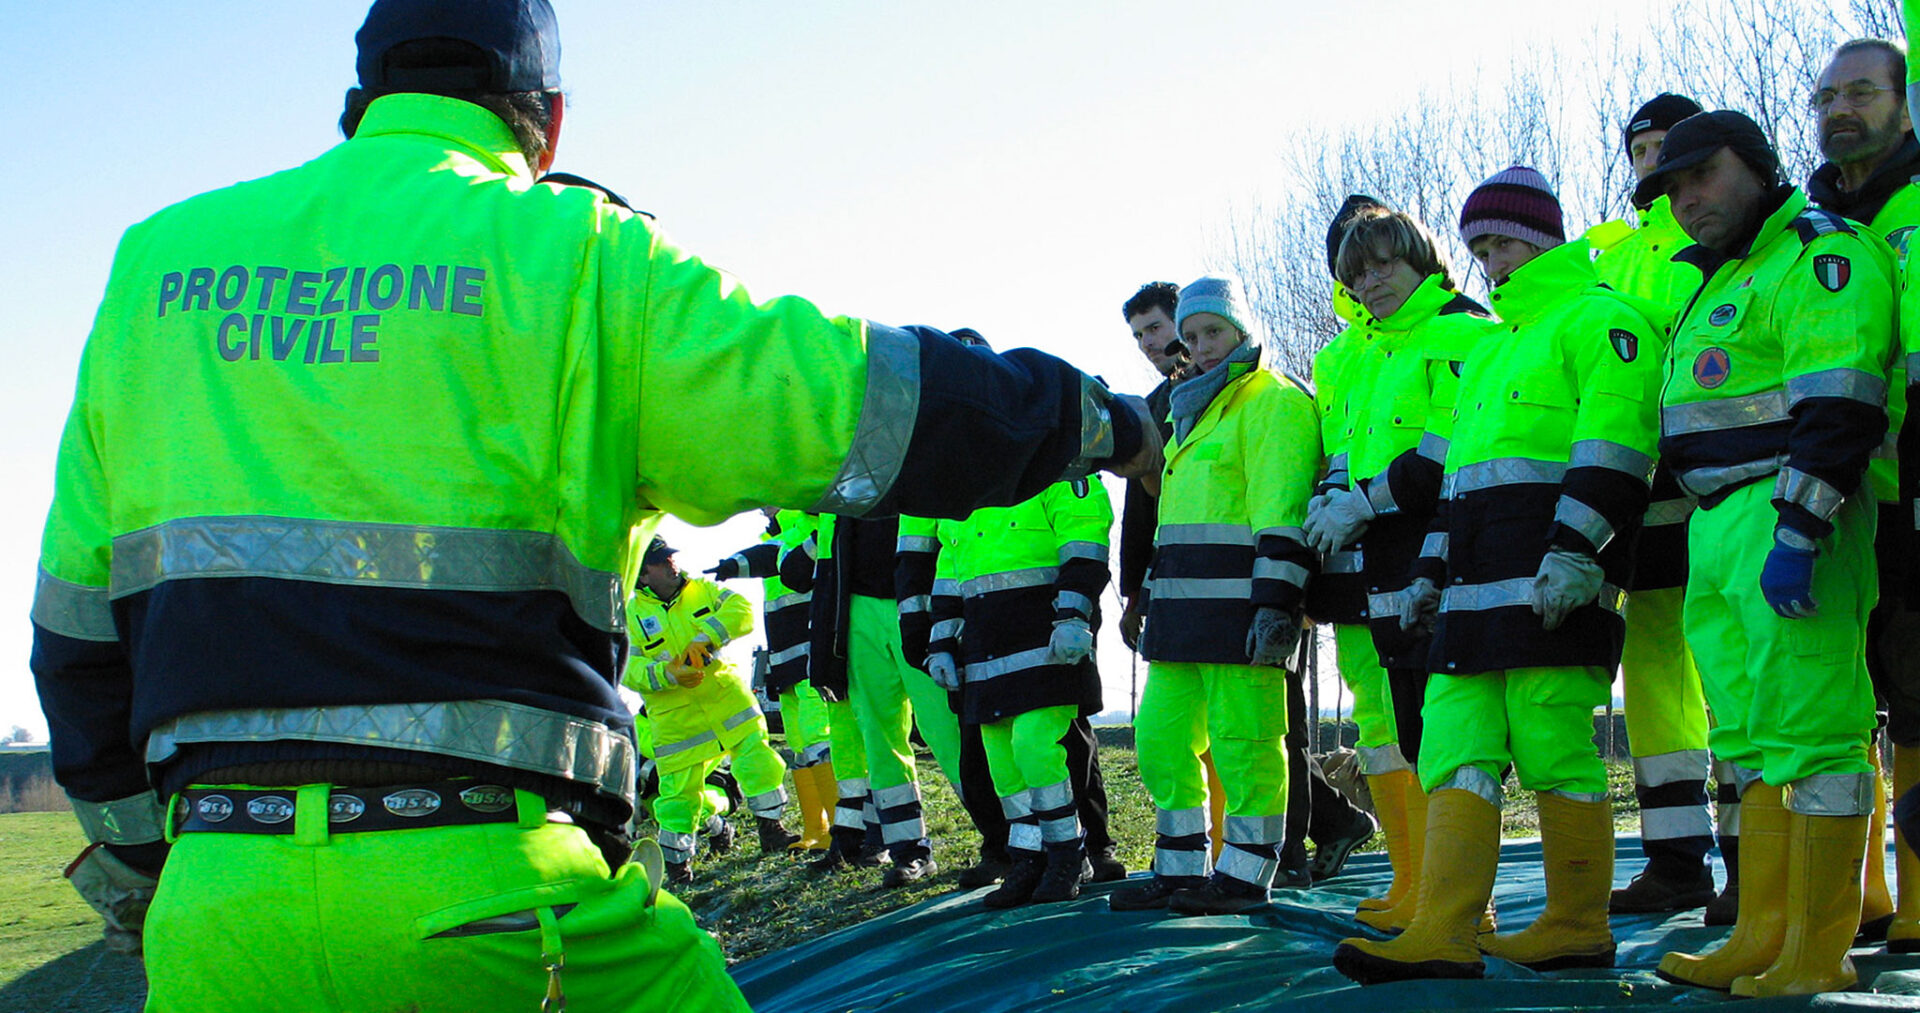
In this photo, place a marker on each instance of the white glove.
(1419, 604)
(945, 673)
(117, 890)
(1072, 640)
(1344, 517)
(1566, 581)
(1272, 638)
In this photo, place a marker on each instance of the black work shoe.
(1106, 867)
(985, 872)
(774, 836)
(834, 860)
(1221, 895)
(1293, 879)
(720, 835)
(1724, 909)
(1649, 893)
(1022, 878)
(1368, 969)
(1151, 894)
(909, 872)
(679, 873)
(1065, 872)
(1331, 857)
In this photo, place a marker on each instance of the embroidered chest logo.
(1832, 271)
(650, 625)
(1625, 343)
(1711, 367)
(1722, 315)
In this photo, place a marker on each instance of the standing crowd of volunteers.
(336, 653)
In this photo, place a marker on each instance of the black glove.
(726, 569)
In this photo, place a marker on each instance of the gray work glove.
(1566, 581)
(1344, 516)
(1272, 637)
(117, 890)
(945, 673)
(1419, 604)
(1072, 640)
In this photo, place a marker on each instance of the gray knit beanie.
(1221, 295)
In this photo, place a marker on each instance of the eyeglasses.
(1375, 269)
(1857, 95)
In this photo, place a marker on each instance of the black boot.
(841, 842)
(990, 869)
(1151, 894)
(1222, 895)
(1067, 868)
(1107, 867)
(1022, 879)
(679, 873)
(719, 833)
(775, 837)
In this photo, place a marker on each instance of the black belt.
(349, 810)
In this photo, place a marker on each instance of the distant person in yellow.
(701, 709)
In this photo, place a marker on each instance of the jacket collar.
(460, 124)
(1864, 204)
(1545, 282)
(1425, 301)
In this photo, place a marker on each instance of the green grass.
(42, 917)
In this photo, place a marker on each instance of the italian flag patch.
(1833, 271)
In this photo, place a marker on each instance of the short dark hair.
(1162, 295)
(527, 113)
(1894, 53)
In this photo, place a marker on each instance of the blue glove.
(1787, 580)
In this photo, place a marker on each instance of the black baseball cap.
(519, 41)
(1696, 139)
(657, 551)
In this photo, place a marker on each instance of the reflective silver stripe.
(73, 610)
(1380, 496)
(768, 804)
(377, 555)
(1382, 606)
(1083, 550)
(853, 787)
(1016, 805)
(1337, 464)
(1666, 768)
(1584, 519)
(1728, 772)
(1831, 795)
(947, 628)
(1345, 561)
(739, 560)
(1171, 588)
(1707, 481)
(662, 751)
(652, 671)
(1297, 535)
(1019, 661)
(1096, 429)
(1247, 867)
(888, 411)
(903, 830)
(1668, 511)
(1255, 829)
(1724, 413)
(489, 731)
(1435, 545)
(896, 796)
(741, 718)
(1611, 456)
(1204, 534)
(1913, 358)
(1381, 759)
(789, 600)
(676, 847)
(1852, 384)
(915, 604)
(1073, 601)
(917, 543)
(1024, 837)
(1059, 831)
(1172, 862)
(1505, 471)
(1052, 796)
(1515, 591)
(1796, 486)
(946, 587)
(718, 628)
(1671, 822)
(1009, 581)
(1433, 447)
(136, 819)
(1578, 796)
(1889, 448)
(785, 655)
(1180, 822)
(812, 755)
(1475, 780)
(1275, 569)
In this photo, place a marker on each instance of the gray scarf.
(1190, 399)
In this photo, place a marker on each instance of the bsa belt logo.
(214, 808)
(1711, 367)
(1625, 343)
(270, 809)
(1722, 315)
(487, 798)
(345, 808)
(412, 802)
(1832, 271)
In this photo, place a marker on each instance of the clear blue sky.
(1017, 167)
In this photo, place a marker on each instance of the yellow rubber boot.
(1761, 927)
(1216, 807)
(1823, 894)
(1903, 936)
(1389, 791)
(1401, 915)
(817, 791)
(1876, 902)
(1456, 881)
(1576, 848)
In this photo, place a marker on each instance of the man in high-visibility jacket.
(1774, 402)
(699, 707)
(1224, 609)
(351, 625)
(1545, 484)
(1665, 709)
(1017, 644)
(1415, 330)
(803, 714)
(1872, 158)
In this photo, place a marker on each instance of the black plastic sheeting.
(950, 953)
